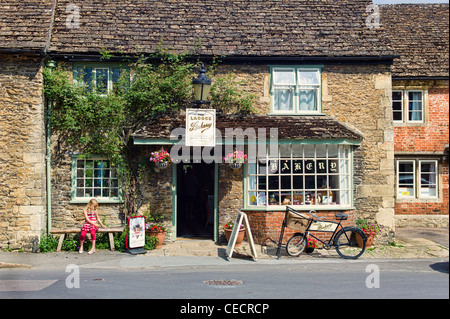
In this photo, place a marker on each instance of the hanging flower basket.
(161, 158)
(162, 164)
(235, 165)
(236, 159)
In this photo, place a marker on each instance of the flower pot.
(162, 164)
(159, 235)
(309, 250)
(235, 165)
(369, 241)
(239, 239)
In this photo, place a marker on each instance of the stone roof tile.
(24, 24)
(420, 35)
(289, 127)
(221, 27)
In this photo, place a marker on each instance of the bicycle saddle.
(341, 216)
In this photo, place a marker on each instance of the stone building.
(321, 72)
(420, 101)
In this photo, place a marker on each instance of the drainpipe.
(50, 64)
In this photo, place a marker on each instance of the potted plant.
(155, 227)
(161, 158)
(228, 228)
(310, 245)
(369, 229)
(235, 159)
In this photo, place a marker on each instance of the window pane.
(397, 95)
(252, 199)
(285, 150)
(120, 79)
(84, 76)
(415, 106)
(309, 151)
(428, 179)
(308, 100)
(332, 151)
(405, 179)
(285, 167)
(284, 77)
(298, 182)
(283, 99)
(309, 77)
(297, 150)
(286, 182)
(101, 78)
(298, 166)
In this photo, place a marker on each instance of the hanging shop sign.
(201, 127)
(135, 233)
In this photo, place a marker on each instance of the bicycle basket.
(297, 221)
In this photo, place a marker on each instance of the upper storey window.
(101, 77)
(408, 106)
(296, 90)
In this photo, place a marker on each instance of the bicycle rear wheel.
(296, 244)
(350, 243)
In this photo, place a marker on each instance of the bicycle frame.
(329, 243)
(316, 225)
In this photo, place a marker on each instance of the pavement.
(410, 243)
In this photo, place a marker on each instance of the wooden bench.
(63, 231)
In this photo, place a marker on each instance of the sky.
(406, 1)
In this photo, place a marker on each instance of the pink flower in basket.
(236, 157)
(160, 156)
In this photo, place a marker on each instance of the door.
(195, 200)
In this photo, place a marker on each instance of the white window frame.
(325, 197)
(405, 194)
(436, 178)
(422, 93)
(417, 179)
(296, 87)
(104, 178)
(405, 111)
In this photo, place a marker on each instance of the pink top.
(92, 217)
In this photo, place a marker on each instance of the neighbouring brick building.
(321, 75)
(420, 99)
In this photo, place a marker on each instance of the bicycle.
(349, 242)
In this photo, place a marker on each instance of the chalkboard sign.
(241, 218)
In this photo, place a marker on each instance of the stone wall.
(360, 96)
(22, 153)
(356, 95)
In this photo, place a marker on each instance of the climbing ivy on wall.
(101, 124)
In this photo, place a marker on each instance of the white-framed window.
(417, 179)
(296, 90)
(408, 106)
(101, 77)
(306, 175)
(94, 177)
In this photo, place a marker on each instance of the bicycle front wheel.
(350, 243)
(296, 244)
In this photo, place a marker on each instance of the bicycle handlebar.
(315, 217)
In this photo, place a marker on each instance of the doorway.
(195, 200)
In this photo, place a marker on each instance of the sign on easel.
(241, 218)
(136, 235)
